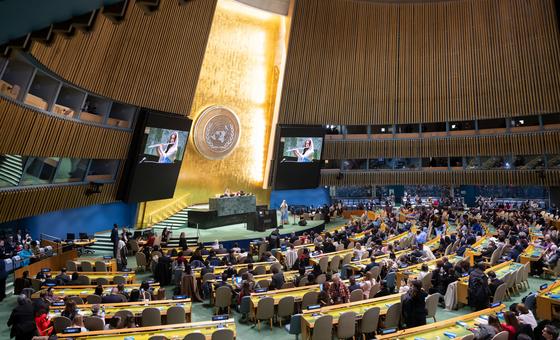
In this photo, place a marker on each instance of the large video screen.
(298, 157)
(302, 149)
(155, 158)
(164, 146)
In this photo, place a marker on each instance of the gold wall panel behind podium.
(239, 72)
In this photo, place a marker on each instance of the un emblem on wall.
(216, 132)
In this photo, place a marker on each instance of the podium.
(225, 211)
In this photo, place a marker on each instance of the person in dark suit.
(277, 280)
(63, 276)
(115, 239)
(113, 297)
(414, 305)
(494, 282)
(22, 320)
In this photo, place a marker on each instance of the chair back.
(287, 285)
(208, 276)
(323, 328)
(85, 266)
(500, 293)
(370, 320)
(93, 299)
(468, 337)
(124, 314)
(431, 304)
(427, 281)
(375, 271)
(265, 308)
(347, 259)
(356, 295)
(365, 255)
(222, 334)
(36, 284)
(503, 335)
(141, 259)
(393, 316)
(340, 247)
(509, 279)
(93, 323)
(245, 306)
(133, 245)
(324, 264)
(78, 300)
(276, 265)
(286, 306)
(260, 270)
(151, 317)
(303, 282)
(71, 266)
(175, 314)
(194, 336)
(223, 297)
(309, 299)
(264, 283)
(119, 280)
(374, 290)
(100, 266)
(390, 279)
(335, 264)
(322, 278)
(346, 325)
(84, 280)
(102, 281)
(60, 323)
(448, 250)
(495, 256)
(295, 325)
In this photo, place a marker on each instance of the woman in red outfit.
(511, 325)
(44, 325)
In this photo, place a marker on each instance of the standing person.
(22, 319)
(414, 305)
(338, 291)
(121, 255)
(115, 239)
(284, 212)
(478, 288)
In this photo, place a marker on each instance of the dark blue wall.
(308, 197)
(86, 220)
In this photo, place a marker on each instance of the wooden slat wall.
(147, 60)
(373, 62)
(20, 203)
(490, 177)
(515, 144)
(26, 131)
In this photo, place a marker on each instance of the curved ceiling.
(275, 6)
(19, 17)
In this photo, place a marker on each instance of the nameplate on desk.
(388, 331)
(150, 282)
(180, 297)
(50, 284)
(543, 287)
(313, 307)
(495, 304)
(107, 257)
(126, 270)
(45, 270)
(222, 317)
(58, 303)
(261, 290)
(71, 330)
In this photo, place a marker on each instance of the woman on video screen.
(167, 152)
(307, 155)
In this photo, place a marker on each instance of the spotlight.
(382, 129)
(521, 122)
(453, 126)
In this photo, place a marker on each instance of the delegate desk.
(175, 331)
(438, 330)
(237, 267)
(111, 263)
(55, 262)
(342, 253)
(93, 276)
(401, 236)
(477, 247)
(84, 291)
(532, 253)
(411, 272)
(135, 307)
(358, 307)
(548, 300)
(501, 270)
(297, 293)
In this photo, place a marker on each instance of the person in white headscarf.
(306, 156)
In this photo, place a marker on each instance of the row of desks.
(438, 330)
(84, 291)
(135, 307)
(547, 300)
(93, 276)
(175, 331)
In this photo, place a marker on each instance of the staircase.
(11, 169)
(175, 223)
